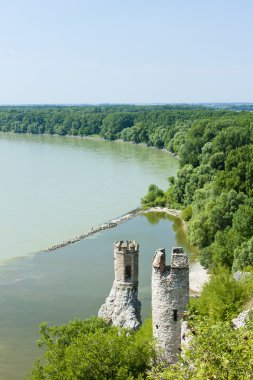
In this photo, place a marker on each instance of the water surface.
(72, 282)
(53, 188)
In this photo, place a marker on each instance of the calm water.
(70, 283)
(53, 188)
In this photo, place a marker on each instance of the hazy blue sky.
(126, 51)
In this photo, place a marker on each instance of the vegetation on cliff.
(93, 350)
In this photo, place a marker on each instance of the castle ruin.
(122, 307)
(170, 296)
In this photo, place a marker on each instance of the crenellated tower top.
(126, 257)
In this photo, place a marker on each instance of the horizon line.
(123, 103)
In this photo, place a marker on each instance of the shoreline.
(95, 138)
(198, 274)
(111, 224)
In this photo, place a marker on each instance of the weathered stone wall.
(126, 254)
(122, 307)
(170, 297)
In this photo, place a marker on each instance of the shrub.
(187, 213)
(93, 350)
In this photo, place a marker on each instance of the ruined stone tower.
(170, 297)
(122, 307)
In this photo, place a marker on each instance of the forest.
(214, 190)
(152, 125)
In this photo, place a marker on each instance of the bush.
(221, 299)
(243, 255)
(187, 213)
(155, 197)
(93, 350)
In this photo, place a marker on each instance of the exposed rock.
(239, 275)
(186, 336)
(242, 319)
(122, 307)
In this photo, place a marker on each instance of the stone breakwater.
(113, 223)
(106, 226)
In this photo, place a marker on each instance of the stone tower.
(122, 307)
(170, 297)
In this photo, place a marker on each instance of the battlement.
(179, 259)
(159, 259)
(126, 266)
(122, 247)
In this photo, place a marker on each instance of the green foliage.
(115, 123)
(221, 299)
(187, 213)
(217, 351)
(152, 125)
(209, 229)
(217, 161)
(155, 197)
(243, 255)
(222, 250)
(93, 350)
(216, 180)
(243, 219)
(238, 173)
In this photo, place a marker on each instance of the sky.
(125, 51)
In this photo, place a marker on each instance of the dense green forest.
(214, 190)
(152, 125)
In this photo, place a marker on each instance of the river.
(54, 188)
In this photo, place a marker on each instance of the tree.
(115, 123)
(243, 255)
(93, 350)
(238, 173)
(155, 197)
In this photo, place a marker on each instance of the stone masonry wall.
(170, 296)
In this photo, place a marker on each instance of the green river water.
(53, 188)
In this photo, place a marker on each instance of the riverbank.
(169, 211)
(198, 275)
(114, 223)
